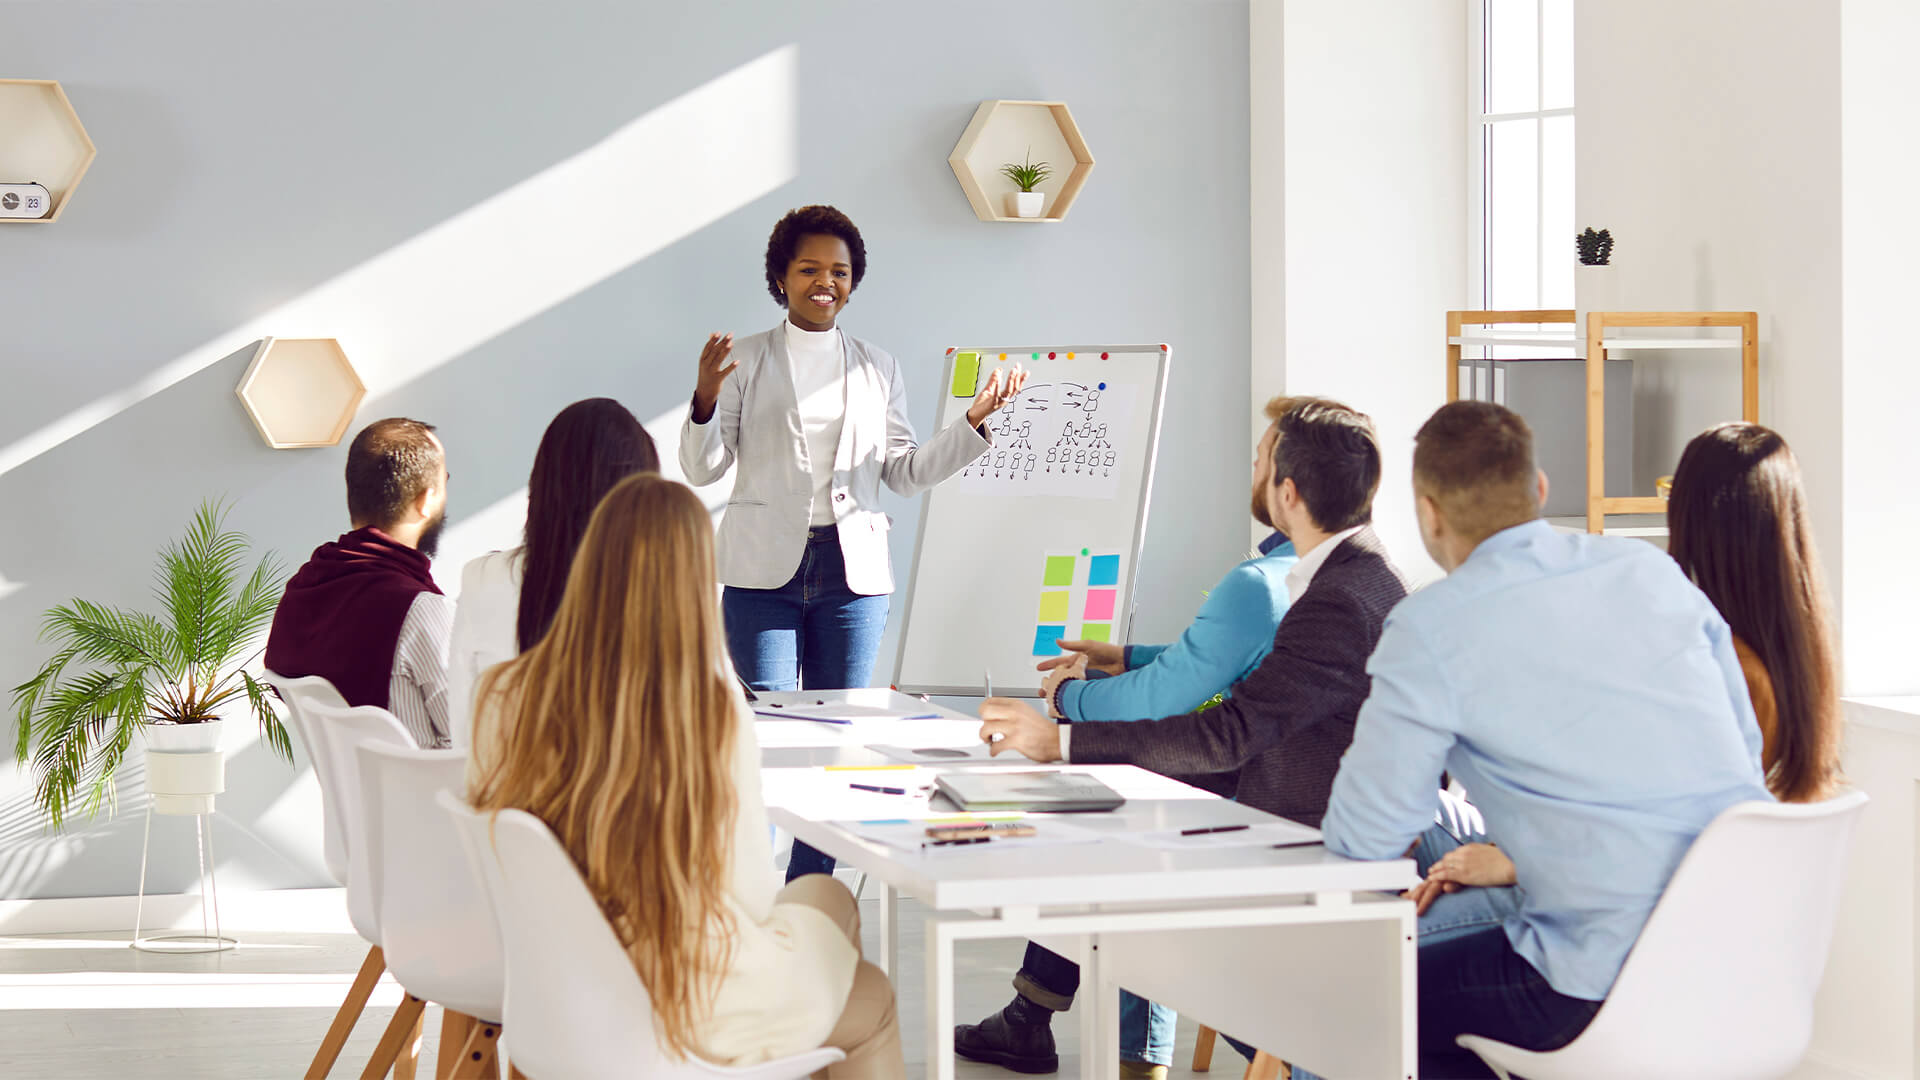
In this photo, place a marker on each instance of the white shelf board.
(1620, 344)
(1538, 339)
(1647, 526)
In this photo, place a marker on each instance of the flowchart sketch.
(1056, 439)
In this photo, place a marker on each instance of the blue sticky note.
(1046, 640)
(1105, 570)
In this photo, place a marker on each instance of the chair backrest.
(1722, 980)
(436, 925)
(298, 695)
(343, 729)
(574, 1003)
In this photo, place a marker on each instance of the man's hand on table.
(1015, 725)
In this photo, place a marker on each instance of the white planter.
(1026, 204)
(185, 767)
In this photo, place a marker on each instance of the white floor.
(80, 1006)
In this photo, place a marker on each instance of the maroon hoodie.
(340, 617)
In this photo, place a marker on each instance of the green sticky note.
(1053, 607)
(1059, 570)
(966, 374)
(1096, 631)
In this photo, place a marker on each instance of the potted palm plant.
(1026, 202)
(168, 677)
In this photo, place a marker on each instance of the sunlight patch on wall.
(503, 261)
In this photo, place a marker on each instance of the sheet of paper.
(1056, 439)
(974, 754)
(912, 835)
(835, 712)
(1263, 835)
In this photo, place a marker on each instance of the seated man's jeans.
(1451, 918)
(1146, 1030)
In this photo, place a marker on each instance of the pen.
(1212, 829)
(881, 790)
(1300, 843)
(951, 843)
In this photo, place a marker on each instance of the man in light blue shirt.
(1589, 699)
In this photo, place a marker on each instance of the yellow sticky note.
(966, 374)
(1053, 607)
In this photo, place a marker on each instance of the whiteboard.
(1040, 537)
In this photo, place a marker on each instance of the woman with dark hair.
(1739, 527)
(507, 598)
(817, 421)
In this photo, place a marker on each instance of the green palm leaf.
(75, 729)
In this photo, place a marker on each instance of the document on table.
(1265, 834)
(973, 753)
(836, 713)
(912, 835)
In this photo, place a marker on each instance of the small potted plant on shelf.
(168, 677)
(1026, 202)
(1595, 248)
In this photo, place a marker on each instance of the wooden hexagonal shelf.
(300, 392)
(41, 142)
(1008, 131)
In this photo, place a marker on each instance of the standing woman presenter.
(817, 420)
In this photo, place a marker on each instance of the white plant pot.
(185, 767)
(1026, 204)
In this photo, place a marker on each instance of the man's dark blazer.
(1286, 725)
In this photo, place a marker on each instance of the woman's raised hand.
(716, 363)
(1002, 386)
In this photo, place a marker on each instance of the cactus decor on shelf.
(1596, 248)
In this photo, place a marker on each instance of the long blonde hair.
(616, 730)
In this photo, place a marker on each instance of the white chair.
(436, 925)
(575, 1006)
(1720, 985)
(298, 696)
(341, 730)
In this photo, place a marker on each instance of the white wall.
(1359, 190)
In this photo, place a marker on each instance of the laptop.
(1045, 792)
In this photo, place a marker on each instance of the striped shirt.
(417, 690)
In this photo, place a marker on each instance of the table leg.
(939, 949)
(1409, 994)
(1106, 1062)
(1097, 1061)
(889, 931)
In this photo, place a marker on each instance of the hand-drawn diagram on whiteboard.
(1058, 438)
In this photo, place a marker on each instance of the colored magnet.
(1105, 570)
(966, 374)
(1103, 356)
(1046, 640)
(1099, 603)
(1096, 631)
(1069, 356)
(1059, 571)
(1053, 607)
(1103, 386)
(1051, 356)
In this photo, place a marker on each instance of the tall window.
(1522, 114)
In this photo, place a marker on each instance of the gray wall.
(238, 142)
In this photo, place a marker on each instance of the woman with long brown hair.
(1739, 527)
(624, 729)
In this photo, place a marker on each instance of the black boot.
(1018, 1037)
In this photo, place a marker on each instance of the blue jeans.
(1146, 1029)
(812, 633)
(1451, 918)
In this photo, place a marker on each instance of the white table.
(1296, 950)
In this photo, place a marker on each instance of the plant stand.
(184, 785)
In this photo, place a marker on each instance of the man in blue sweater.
(1229, 637)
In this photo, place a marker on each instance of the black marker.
(881, 790)
(1212, 829)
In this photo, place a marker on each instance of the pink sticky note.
(1100, 604)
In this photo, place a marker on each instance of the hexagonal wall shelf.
(300, 392)
(1007, 131)
(41, 142)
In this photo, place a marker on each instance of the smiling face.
(818, 281)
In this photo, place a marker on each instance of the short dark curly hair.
(810, 221)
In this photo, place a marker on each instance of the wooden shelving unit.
(1600, 343)
(1485, 333)
(300, 392)
(41, 142)
(1007, 131)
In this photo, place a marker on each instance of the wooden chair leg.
(478, 1058)
(400, 1039)
(454, 1027)
(514, 1073)
(1264, 1066)
(408, 1063)
(1203, 1049)
(374, 966)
